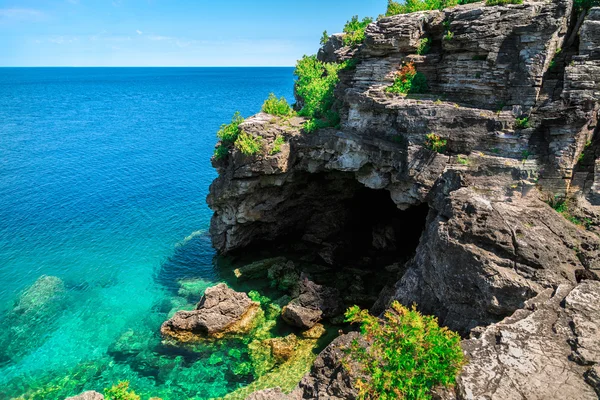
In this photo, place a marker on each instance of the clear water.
(103, 178)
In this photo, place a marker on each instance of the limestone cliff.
(490, 241)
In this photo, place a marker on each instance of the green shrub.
(120, 392)
(279, 141)
(355, 30)
(315, 85)
(462, 160)
(502, 2)
(324, 38)
(435, 142)
(449, 35)
(424, 46)
(410, 354)
(221, 151)
(581, 5)
(228, 134)
(248, 144)
(409, 6)
(522, 123)
(408, 80)
(275, 106)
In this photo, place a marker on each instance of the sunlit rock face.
(514, 91)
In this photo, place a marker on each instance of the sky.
(170, 32)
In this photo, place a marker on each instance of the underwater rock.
(283, 348)
(283, 275)
(314, 302)
(33, 317)
(89, 395)
(221, 311)
(257, 269)
(315, 332)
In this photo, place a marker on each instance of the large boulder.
(313, 303)
(221, 311)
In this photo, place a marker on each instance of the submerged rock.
(221, 311)
(90, 395)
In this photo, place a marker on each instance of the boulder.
(89, 395)
(221, 311)
(313, 303)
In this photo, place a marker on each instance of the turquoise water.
(103, 178)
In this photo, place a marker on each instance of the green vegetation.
(584, 5)
(120, 392)
(502, 2)
(228, 133)
(409, 6)
(279, 107)
(315, 85)
(408, 80)
(279, 141)
(424, 46)
(563, 207)
(248, 144)
(410, 354)
(462, 160)
(449, 35)
(435, 143)
(355, 30)
(324, 38)
(522, 123)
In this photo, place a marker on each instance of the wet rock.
(313, 303)
(315, 332)
(221, 311)
(90, 395)
(257, 269)
(282, 349)
(268, 394)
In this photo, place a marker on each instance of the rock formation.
(514, 92)
(89, 395)
(221, 311)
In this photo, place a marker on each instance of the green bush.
(581, 5)
(275, 106)
(248, 144)
(522, 123)
(279, 141)
(355, 30)
(502, 2)
(424, 46)
(324, 38)
(408, 80)
(410, 354)
(228, 134)
(435, 142)
(120, 392)
(409, 6)
(315, 85)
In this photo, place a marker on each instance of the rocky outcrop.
(90, 395)
(313, 303)
(514, 91)
(221, 311)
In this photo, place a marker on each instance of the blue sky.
(169, 32)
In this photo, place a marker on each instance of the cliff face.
(490, 240)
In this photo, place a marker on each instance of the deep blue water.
(103, 178)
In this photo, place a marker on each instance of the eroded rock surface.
(221, 311)
(89, 395)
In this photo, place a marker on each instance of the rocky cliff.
(514, 92)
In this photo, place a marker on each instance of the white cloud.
(159, 38)
(20, 14)
(139, 32)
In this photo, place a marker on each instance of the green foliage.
(582, 5)
(315, 85)
(435, 142)
(408, 80)
(120, 392)
(221, 152)
(449, 35)
(462, 160)
(228, 134)
(248, 144)
(502, 2)
(522, 123)
(355, 30)
(409, 6)
(324, 38)
(424, 46)
(277, 143)
(279, 107)
(410, 354)
(563, 206)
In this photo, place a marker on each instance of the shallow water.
(103, 178)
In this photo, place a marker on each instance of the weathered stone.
(90, 395)
(221, 311)
(268, 394)
(257, 269)
(313, 303)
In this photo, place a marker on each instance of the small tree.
(409, 355)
